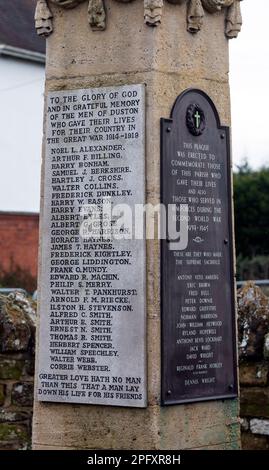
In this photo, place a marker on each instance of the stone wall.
(17, 331)
(253, 325)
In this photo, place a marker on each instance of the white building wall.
(21, 114)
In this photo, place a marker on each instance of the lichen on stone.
(17, 322)
(253, 321)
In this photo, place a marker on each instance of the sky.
(249, 81)
(21, 111)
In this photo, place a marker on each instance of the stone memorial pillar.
(113, 70)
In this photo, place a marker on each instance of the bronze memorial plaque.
(198, 302)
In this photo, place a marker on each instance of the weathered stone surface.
(2, 394)
(209, 49)
(97, 15)
(43, 19)
(10, 368)
(22, 394)
(253, 321)
(254, 367)
(195, 16)
(152, 13)
(29, 367)
(17, 338)
(13, 446)
(233, 20)
(244, 424)
(17, 322)
(10, 416)
(255, 402)
(266, 347)
(212, 6)
(13, 434)
(67, 3)
(254, 374)
(186, 426)
(259, 426)
(254, 442)
(14, 331)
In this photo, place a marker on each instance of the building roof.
(17, 26)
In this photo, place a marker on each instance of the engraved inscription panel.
(92, 285)
(198, 312)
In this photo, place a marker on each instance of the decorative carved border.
(153, 10)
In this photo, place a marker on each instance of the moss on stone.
(11, 369)
(13, 432)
